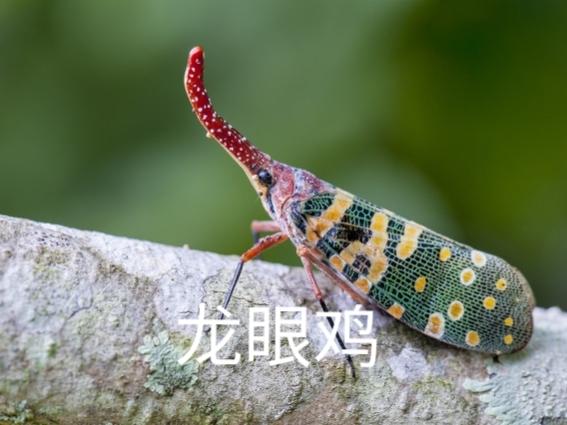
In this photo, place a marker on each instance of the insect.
(447, 290)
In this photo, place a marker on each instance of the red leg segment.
(259, 247)
(262, 245)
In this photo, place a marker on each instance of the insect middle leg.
(319, 295)
(262, 245)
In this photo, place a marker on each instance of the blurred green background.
(453, 114)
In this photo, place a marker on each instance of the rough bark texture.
(89, 333)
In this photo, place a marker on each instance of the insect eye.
(265, 177)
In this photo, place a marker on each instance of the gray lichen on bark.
(89, 333)
(530, 387)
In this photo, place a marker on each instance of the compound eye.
(265, 178)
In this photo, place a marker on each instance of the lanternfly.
(442, 288)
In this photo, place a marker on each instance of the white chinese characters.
(289, 331)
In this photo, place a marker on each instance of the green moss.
(432, 385)
(52, 350)
(20, 413)
(233, 413)
(47, 262)
(166, 374)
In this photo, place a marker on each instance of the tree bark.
(89, 333)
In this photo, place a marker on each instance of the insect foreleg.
(258, 227)
(259, 247)
(319, 295)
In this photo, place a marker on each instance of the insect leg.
(319, 295)
(258, 227)
(259, 247)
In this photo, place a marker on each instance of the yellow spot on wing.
(352, 250)
(501, 284)
(343, 200)
(379, 227)
(508, 339)
(363, 284)
(379, 240)
(489, 303)
(379, 222)
(472, 338)
(396, 310)
(478, 258)
(408, 242)
(420, 283)
(406, 249)
(435, 325)
(467, 276)
(413, 230)
(508, 321)
(312, 236)
(444, 254)
(318, 226)
(333, 214)
(378, 267)
(337, 262)
(456, 310)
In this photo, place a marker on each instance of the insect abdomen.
(442, 288)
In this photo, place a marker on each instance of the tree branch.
(89, 333)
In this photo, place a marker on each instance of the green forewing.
(484, 305)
